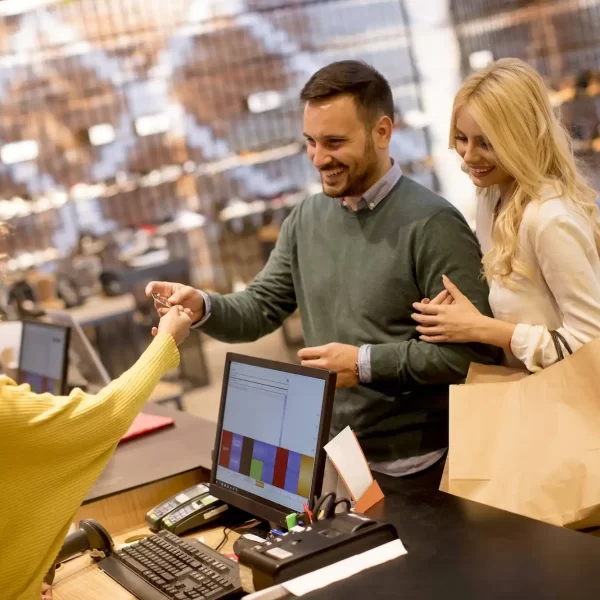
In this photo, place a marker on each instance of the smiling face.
(349, 155)
(476, 151)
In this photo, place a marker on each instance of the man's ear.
(382, 132)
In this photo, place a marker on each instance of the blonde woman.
(537, 223)
(54, 448)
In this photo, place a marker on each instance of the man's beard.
(360, 181)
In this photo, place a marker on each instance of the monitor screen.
(83, 358)
(43, 357)
(273, 425)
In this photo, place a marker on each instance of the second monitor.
(273, 423)
(43, 360)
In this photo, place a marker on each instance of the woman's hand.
(442, 299)
(449, 318)
(46, 592)
(176, 322)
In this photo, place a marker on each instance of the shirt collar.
(378, 191)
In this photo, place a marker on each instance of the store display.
(560, 39)
(137, 113)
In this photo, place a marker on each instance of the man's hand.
(341, 358)
(177, 295)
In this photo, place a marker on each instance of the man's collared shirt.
(378, 191)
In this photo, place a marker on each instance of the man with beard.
(354, 259)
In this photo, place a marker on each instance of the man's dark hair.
(366, 85)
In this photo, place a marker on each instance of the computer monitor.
(82, 355)
(43, 358)
(273, 422)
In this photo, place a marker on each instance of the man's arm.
(265, 304)
(447, 246)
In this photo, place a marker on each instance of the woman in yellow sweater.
(52, 450)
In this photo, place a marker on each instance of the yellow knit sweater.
(52, 450)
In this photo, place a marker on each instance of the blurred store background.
(144, 139)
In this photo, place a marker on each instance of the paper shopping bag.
(530, 444)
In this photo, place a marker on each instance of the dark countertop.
(457, 549)
(165, 453)
(462, 550)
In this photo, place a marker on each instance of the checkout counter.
(457, 549)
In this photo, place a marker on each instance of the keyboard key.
(134, 564)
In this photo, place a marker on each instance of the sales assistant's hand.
(440, 322)
(177, 294)
(341, 358)
(177, 323)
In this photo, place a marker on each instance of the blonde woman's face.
(477, 153)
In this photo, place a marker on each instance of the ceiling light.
(481, 59)
(100, 135)
(264, 101)
(19, 152)
(152, 124)
(416, 119)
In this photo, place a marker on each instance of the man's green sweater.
(354, 276)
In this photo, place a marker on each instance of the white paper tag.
(347, 456)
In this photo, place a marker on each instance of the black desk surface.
(461, 550)
(184, 447)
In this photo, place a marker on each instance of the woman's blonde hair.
(509, 101)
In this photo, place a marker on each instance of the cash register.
(268, 461)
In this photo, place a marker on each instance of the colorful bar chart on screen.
(266, 463)
(270, 432)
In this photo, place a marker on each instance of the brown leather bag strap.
(559, 342)
(564, 342)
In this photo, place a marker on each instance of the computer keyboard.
(166, 566)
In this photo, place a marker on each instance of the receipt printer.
(324, 542)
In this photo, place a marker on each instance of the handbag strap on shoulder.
(559, 342)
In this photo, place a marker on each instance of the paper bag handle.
(559, 339)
